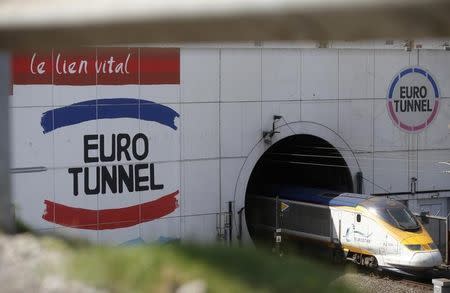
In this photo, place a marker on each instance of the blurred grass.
(164, 268)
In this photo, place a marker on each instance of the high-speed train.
(370, 231)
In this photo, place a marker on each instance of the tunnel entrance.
(299, 160)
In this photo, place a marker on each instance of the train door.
(362, 232)
(347, 231)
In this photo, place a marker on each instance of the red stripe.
(110, 218)
(160, 65)
(63, 59)
(22, 73)
(101, 66)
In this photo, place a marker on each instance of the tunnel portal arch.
(305, 153)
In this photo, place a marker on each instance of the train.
(371, 231)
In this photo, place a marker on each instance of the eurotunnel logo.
(113, 161)
(413, 99)
(120, 177)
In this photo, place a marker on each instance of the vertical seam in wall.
(373, 120)
(300, 78)
(338, 94)
(411, 139)
(260, 92)
(53, 141)
(418, 135)
(180, 162)
(220, 140)
(96, 127)
(139, 116)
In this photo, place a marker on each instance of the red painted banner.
(110, 218)
(97, 66)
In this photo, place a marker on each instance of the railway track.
(417, 283)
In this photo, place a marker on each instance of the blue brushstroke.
(108, 109)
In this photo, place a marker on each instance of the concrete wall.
(226, 97)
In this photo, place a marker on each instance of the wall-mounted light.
(267, 135)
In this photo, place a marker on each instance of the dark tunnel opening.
(299, 160)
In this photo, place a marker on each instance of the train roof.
(319, 196)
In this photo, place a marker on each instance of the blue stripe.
(436, 91)
(391, 89)
(108, 109)
(421, 71)
(405, 72)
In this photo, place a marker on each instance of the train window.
(358, 218)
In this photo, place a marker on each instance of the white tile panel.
(160, 93)
(168, 175)
(431, 173)
(118, 200)
(200, 188)
(240, 74)
(199, 229)
(115, 91)
(397, 45)
(110, 127)
(64, 95)
(365, 162)
(29, 192)
(252, 131)
(31, 95)
(438, 64)
(355, 123)
(200, 130)
(290, 44)
(319, 75)
(69, 141)
(64, 194)
(387, 136)
(231, 129)
(437, 134)
(437, 44)
(164, 142)
(30, 147)
(391, 172)
(119, 236)
(199, 75)
(387, 64)
(352, 44)
(162, 231)
(322, 112)
(280, 74)
(230, 169)
(356, 72)
(289, 110)
(240, 128)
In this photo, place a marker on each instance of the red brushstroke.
(110, 218)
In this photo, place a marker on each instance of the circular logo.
(413, 99)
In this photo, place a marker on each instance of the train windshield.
(403, 218)
(392, 212)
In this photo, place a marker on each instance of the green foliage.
(164, 268)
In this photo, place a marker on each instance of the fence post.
(446, 240)
(6, 210)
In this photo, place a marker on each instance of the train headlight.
(414, 247)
